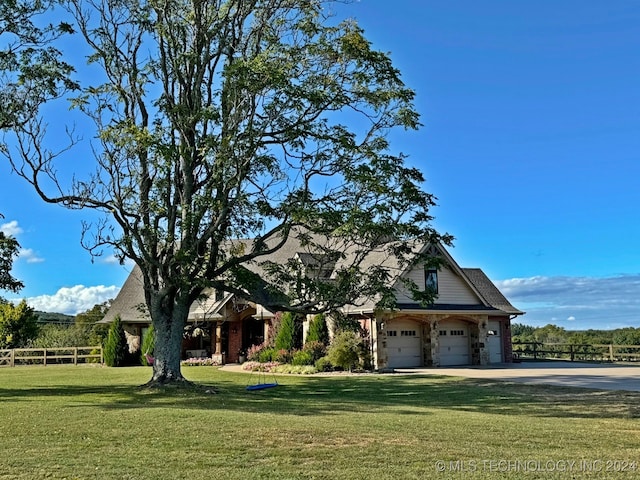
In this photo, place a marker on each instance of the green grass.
(95, 423)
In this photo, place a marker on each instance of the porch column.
(483, 348)
(217, 355)
(435, 340)
(380, 355)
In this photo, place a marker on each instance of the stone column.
(435, 342)
(483, 348)
(381, 358)
(217, 355)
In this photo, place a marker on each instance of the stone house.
(469, 322)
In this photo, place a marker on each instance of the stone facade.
(429, 325)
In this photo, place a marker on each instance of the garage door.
(404, 344)
(494, 342)
(454, 343)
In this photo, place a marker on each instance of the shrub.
(324, 365)
(200, 362)
(266, 355)
(95, 351)
(148, 345)
(259, 367)
(253, 354)
(318, 331)
(286, 332)
(297, 369)
(345, 350)
(282, 356)
(302, 357)
(316, 349)
(115, 349)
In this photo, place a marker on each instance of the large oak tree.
(220, 120)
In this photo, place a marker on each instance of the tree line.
(22, 327)
(554, 334)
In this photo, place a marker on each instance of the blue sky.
(531, 114)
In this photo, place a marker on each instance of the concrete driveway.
(566, 374)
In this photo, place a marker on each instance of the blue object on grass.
(261, 386)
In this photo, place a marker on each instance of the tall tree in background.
(9, 249)
(18, 324)
(219, 120)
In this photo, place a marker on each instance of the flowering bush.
(259, 367)
(253, 354)
(283, 356)
(198, 362)
(295, 369)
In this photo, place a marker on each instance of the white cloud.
(608, 302)
(29, 255)
(11, 228)
(113, 260)
(73, 300)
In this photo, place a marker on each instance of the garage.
(404, 344)
(454, 343)
(494, 342)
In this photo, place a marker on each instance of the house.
(469, 323)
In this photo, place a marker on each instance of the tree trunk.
(169, 329)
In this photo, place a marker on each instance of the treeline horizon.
(551, 333)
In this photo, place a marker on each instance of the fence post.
(12, 360)
(535, 351)
(611, 352)
(571, 352)
(45, 357)
(75, 355)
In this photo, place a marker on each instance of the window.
(408, 333)
(442, 333)
(459, 333)
(431, 280)
(392, 333)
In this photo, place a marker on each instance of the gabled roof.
(490, 299)
(489, 291)
(129, 303)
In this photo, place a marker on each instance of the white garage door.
(494, 342)
(454, 343)
(404, 344)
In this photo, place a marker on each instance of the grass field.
(95, 423)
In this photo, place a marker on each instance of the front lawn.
(95, 423)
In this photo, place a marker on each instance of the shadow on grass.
(405, 395)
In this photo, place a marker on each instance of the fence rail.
(48, 356)
(577, 352)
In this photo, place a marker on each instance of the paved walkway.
(567, 374)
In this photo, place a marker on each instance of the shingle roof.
(489, 291)
(129, 303)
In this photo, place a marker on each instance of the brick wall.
(235, 341)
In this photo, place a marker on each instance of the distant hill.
(55, 318)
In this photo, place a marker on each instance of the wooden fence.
(49, 356)
(577, 352)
